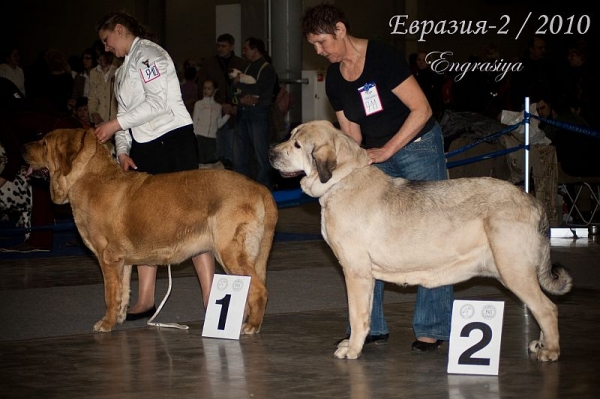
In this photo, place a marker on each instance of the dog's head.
(64, 154)
(321, 152)
(233, 72)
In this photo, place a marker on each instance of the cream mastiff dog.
(422, 233)
(130, 218)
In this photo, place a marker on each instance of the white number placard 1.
(475, 337)
(226, 304)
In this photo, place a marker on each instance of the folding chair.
(582, 186)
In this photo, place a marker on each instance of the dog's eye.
(296, 144)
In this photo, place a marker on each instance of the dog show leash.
(166, 325)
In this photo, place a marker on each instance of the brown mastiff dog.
(130, 218)
(422, 233)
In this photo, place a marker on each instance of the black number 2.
(466, 358)
(224, 309)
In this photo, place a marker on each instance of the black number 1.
(466, 358)
(224, 309)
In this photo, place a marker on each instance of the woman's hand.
(106, 130)
(378, 155)
(126, 162)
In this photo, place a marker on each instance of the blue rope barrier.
(526, 119)
(483, 140)
(570, 126)
(489, 155)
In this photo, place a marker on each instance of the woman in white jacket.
(153, 129)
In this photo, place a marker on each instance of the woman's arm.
(410, 93)
(350, 128)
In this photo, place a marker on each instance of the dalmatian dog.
(16, 196)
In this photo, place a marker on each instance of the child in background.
(208, 117)
(81, 113)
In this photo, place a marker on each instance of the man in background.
(217, 69)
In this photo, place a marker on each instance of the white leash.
(166, 325)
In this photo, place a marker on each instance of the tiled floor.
(292, 357)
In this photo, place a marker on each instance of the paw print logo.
(222, 284)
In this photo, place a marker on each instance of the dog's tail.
(555, 279)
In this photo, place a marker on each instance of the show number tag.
(370, 98)
(149, 72)
(475, 337)
(226, 304)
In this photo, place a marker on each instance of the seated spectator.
(576, 152)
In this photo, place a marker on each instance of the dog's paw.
(542, 353)
(249, 329)
(535, 346)
(102, 326)
(344, 352)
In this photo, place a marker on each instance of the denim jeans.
(423, 159)
(251, 142)
(225, 143)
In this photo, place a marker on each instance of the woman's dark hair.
(323, 18)
(109, 21)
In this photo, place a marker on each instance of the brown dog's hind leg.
(246, 253)
(236, 261)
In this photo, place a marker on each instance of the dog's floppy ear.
(65, 152)
(63, 149)
(324, 157)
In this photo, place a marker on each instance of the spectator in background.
(81, 80)
(253, 129)
(217, 69)
(576, 152)
(10, 68)
(102, 102)
(56, 84)
(581, 83)
(536, 71)
(79, 118)
(189, 63)
(189, 88)
(208, 118)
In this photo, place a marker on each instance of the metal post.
(526, 145)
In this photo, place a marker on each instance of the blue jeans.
(225, 143)
(251, 142)
(423, 159)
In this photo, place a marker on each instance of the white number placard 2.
(475, 337)
(226, 304)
